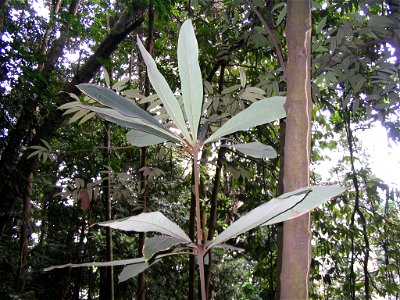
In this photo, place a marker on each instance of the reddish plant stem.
(200, 253)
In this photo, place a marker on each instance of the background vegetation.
(59, 177)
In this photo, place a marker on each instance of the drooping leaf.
(122, 105)
(156, 244)
(145, 222)
(190, 75)
(165, 93)
(133, 122)
(130, 271)
(260, 112)
(99, 264)
(285, 207)
(254, 149)
(228, 247)
(143, 139)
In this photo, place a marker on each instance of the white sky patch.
(384, 158)
(40, 9)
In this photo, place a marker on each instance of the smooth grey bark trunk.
(296, 255)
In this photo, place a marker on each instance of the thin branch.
(271, 35)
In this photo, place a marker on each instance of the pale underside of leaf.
(99, 264)
(285, 207)
(156, 244)
(130, 271)
(143, 139)
(145, 222)
(190, 75)
(260, 112)
(133, 122)
(111, 99)
(254, 149)
(165, 93)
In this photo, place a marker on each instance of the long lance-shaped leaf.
(111, 99)
(190, 75)
(145, 222)
(285, 207)
(260, 112)
(254, 149)
(165, 93)
(317, 196)
(99, 264)
(143, 139)
(133, 122)
(143, 128)
(156, 244)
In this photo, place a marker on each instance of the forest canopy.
(66, 167)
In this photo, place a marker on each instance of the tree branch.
(277, 47)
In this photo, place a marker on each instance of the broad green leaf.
(122, 105)
(260, 112)
(190, 75)
(285, 207)
(254, 149)
(156, 244)
(317, 196)
(133, 122)
(133, 270)
(99, 264)
(165, 93)
(145, 222)
(143, 139)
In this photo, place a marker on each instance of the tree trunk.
(296, 254)
(24, 239)
(15, 173)
(142, 289)
(107, 286)
(279, 226)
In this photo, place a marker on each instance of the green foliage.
(355, 78)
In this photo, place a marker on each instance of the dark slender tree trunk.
(142, 288)
(24, 239)
(357, 210)
(296, 256)
(107, 286)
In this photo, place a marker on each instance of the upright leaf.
(260, 112)
(165, 93)
(145, 222)
(285, 207)
(190, 74)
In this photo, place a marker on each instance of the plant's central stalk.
(195, 151)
